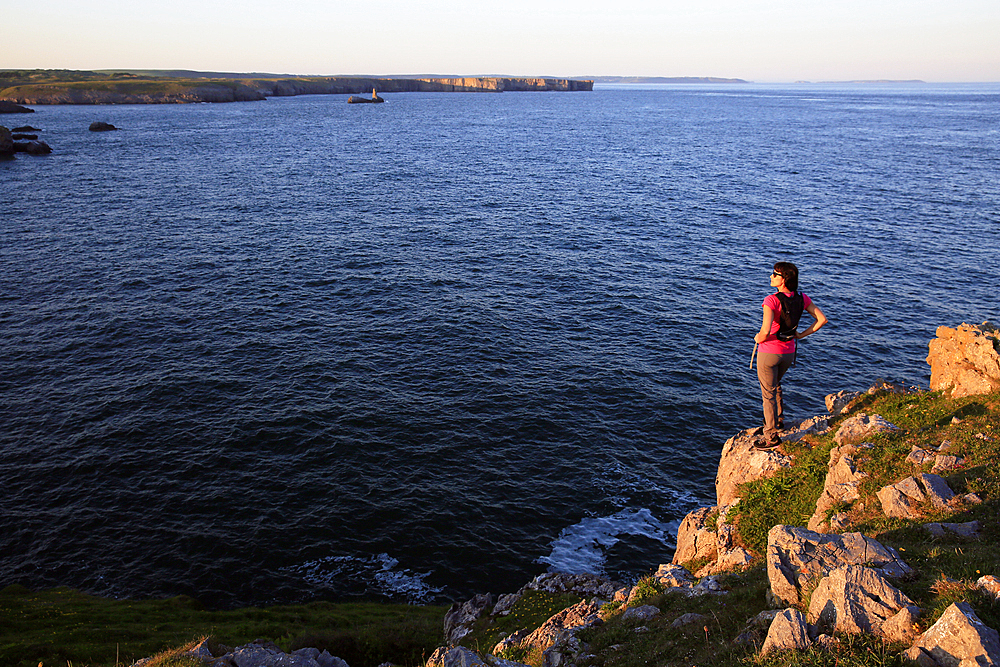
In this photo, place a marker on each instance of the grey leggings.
(770, 369)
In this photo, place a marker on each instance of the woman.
(777, 340)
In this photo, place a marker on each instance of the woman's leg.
(770, 369)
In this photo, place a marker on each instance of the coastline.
(46, 88)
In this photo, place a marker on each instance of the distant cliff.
(68, 87)
(665, 79)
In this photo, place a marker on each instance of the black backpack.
(791, 312)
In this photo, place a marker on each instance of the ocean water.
(298, 349)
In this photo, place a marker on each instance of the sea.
(274, 352)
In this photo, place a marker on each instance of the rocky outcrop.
(838, 402)
(696, 537)
(101, 126)
(741, 462)
(460, 618)
(856, 600)
(968, 530)
(788, 631)
(965, 361)
(908, 498)
(957, 639)
(583, 585)
(260, 653)
(10, 107)
(797, 559)
(707, 535)
(6, 142)
(556, 639)
(841, 486)
(10, 144)
(862, 426)
(989, 585)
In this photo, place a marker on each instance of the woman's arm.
(817, 315)
(765, 326)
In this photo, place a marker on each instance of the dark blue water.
(296, 349)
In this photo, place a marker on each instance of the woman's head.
(790, 273)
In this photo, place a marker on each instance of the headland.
(41, 87)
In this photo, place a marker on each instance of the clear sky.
(758, 40)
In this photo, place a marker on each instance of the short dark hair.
(790, 273)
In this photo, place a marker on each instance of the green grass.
(62, 624)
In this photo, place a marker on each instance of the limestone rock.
(855, 600)
(455, 656)
(888, 387)
(741, 462)
(459, 619)
(918, 456)
(263, 653)
(688, 619)
(699, 540)
(6, 142)
(901, 628)
(861, 426)
(674, 576)
(968, 530)
(505, 603)
(584, 585)
(695, 540)
(797, 558)
(788, 631)
(32, 147)
(835, 403)
(643, 613)
(989, 585)
(10, 107)
(731, 560)
(563, 651)
(965, 361)
(957, 639)
(811, 426)
(945, 462)
(904, 498)
(841, 485)
(581, 615)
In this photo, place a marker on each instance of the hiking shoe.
(761, 443)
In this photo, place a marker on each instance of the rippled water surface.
(296, 349)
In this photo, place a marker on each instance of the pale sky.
(757, 40)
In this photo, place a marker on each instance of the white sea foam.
(583, 547)
(378, 573)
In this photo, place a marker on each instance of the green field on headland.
(80, 87)
(62, 625)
